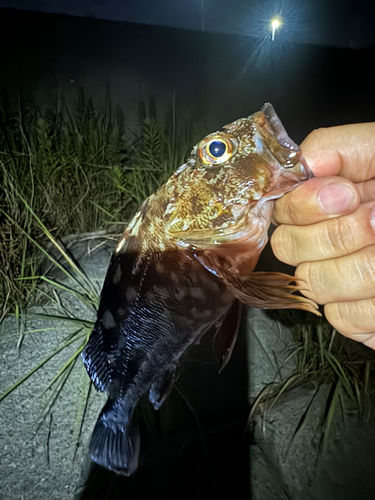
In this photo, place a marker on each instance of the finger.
(316, 200)
(348, 151)
(355, 320)
(324, 240)
(370, 342)
(366, 190)
(347, 278)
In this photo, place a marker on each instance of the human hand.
(327, 228)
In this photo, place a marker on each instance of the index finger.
(347, 151)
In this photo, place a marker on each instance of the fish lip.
(283, 138)
(278, 128)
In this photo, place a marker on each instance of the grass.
(58, 297)
(323, 358)
(59, 161)
(79, 170)
(70, 171)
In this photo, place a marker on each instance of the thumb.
(315, 200)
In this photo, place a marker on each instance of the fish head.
(218, 197)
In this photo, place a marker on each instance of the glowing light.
(275, 25)
(270, 27)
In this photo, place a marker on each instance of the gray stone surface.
(285, 462)
(269, 346)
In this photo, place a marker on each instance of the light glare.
(275, 24)
(270, 27)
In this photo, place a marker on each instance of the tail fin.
(115, 443)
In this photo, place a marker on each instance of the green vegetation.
(323, 357)
(66, 172)
(59, 300)
(78, 170)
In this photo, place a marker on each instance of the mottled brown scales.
(208, 197)
(211, 200)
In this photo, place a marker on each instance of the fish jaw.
(303, 171)
(239, 252)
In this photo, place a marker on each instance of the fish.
(184, 266)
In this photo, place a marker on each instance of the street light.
(270, 27)
(275, 25)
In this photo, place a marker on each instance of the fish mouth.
(283, 138)
(278, 128)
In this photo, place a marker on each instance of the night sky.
(345, 23)
(220, 66)
(215, 77)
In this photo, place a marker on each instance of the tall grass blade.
(83, 402)
(329, 413)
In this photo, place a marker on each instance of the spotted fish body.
(184, 265)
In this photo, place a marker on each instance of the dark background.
(214, 78)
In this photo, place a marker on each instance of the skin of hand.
(326, 227)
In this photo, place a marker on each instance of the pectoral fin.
(226, 335)
(269, 290)
(162, 386)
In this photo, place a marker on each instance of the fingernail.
(336, 199)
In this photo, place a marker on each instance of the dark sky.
(342, 23)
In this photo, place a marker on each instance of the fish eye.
(217, 149)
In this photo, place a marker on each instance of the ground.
(206, 418)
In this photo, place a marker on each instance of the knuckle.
(290, 213)
(365, 267)
(316, 138)
(367, 189)
(282, 244)
(318, 134)
(283, 212)
(337, 314)
(340, 238)
(313, 283)
(352, 319)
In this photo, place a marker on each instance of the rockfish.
(184, 265)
